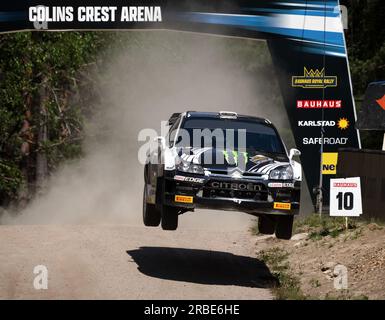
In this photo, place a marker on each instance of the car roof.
(203, 114)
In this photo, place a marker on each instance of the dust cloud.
(148, 76)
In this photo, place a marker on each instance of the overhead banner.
(305, 38)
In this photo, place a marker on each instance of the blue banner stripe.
(325, 3)
(302, 12)
(264, 24)
(12, 16)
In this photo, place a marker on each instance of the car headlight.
(190, 167)
(282, 173)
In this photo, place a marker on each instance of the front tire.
(151, 216)
(169, 219)
(266, 224)
(284, 227)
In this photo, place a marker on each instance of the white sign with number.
(345, 197)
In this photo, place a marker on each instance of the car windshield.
(229, 134)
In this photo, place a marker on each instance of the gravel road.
(131, 262)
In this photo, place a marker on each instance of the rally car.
(222, 161)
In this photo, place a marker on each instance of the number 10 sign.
(345, 197)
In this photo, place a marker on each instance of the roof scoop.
(228, 115)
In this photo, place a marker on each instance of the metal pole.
(383, 143)
(320, 194)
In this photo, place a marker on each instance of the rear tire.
(284, 227)
(266, 224)
(151, 216)
(169, 218)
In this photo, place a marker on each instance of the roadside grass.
(288, 286)
(376, 224)
(319, 227)
(346, 295)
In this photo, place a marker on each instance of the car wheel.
(169, 218)
(151, 216)
(284, 227)
(266, 224)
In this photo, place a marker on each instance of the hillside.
(317, 248)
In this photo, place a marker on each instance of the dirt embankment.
(318, 250)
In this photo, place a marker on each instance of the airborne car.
(222, 161)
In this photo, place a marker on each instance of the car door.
(157, 166)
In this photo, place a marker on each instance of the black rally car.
(222, 161)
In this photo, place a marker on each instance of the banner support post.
(383, 143)
(320, 193)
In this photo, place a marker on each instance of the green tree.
(41, 114)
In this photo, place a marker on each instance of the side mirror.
(293, 153)
(161, 141)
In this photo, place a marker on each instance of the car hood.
(215, 159)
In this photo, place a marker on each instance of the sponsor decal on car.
(281, 185)
(314, 79)
(326, 141)
(282, 205)
(189, 179)
(263, 164)
(194, 157)
(319, 104)
(329, 162)
(235, 186)
(233, 157)
(259, 158)
(184, 199)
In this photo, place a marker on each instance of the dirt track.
(130, 262)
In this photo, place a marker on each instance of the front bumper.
(262, 199)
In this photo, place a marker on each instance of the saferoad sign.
(305, 39)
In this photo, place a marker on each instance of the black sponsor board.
(305, 39)
(372, 112)
(329, 107)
